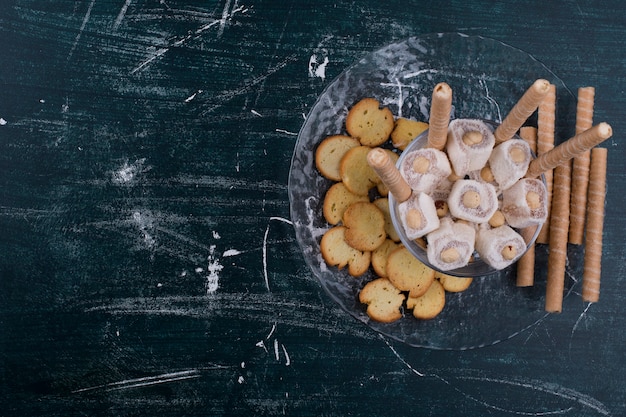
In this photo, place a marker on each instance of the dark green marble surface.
(147, 261)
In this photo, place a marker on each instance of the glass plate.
(487, 78)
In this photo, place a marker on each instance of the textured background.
(147, 261)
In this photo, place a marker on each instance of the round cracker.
(356, 173)
(369, 123)
(407, 273)
(365, 226)
(329, 153)
(384, 301)
(336, 252)
(337, 199)
(430, 304)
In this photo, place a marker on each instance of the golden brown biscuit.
(405, 130)
(380, 256)
(383, 300)
(336, 252)
(369, 123)
(430, 304)
(337, 199)
(329, 153)
(383, 205)
(407, 273)
(356, 173)
(453, 284)
(365, 226)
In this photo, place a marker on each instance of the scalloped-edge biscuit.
(405, 130)
(407, 273)
(337, 199)
(383, 205)
(365, 226)
(453, 284)
(356, 173)
(380, 256)
(336, 252)
(430, 304)
(369, 123)
(384, 301)
(329, 153)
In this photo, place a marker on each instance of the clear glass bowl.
(475, 268)
(487, 78)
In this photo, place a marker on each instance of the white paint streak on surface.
(82, 29)
(267, 231)
(287, 358)
(2, 121)
(231, 252)
(121, 14)
(286, 132)
(317, 68)
(193, 96)
(127, 173)
(214, 268)
(144, 382)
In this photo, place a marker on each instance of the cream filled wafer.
(423, 169)
(382, 164)
(525, 203)
(469, 145)
(595, 225)
(580, 168)
(451, 245)
(473, 201)
(527, 104)
(439, 119)
(418, 215)
(569, 149)
(509, 161)
(499, 246)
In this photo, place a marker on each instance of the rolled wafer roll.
(559, 222)
(526, 264)
(580, 168)
(380, 162)
(569, 149)
(595, 225)
(439, 119)
(529, 134)
(546, 117)
(521, 111)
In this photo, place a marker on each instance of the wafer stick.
(380, 162)
(559, 222)
(439, 116)
(546, 116)
(529, 134)
(569, 149)
(522, 110)
(580, 168)
(595, 225)
(526, 264)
